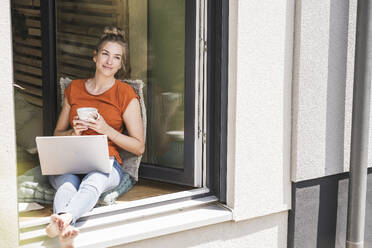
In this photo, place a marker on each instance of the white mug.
(87, 113)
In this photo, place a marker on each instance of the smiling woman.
(117, 104)
(164, 59)
(159, 35)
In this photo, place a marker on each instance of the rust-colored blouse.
(111, 105)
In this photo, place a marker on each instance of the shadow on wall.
(313, 145)
(319, 213)
(336, 87)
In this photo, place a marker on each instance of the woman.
(117, 104)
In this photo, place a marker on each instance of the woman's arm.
(134, 142)
(63, 123)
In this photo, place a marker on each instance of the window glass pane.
(28, 100)
(155, 33)
(166, 81)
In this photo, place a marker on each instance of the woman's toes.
(67, 237)
(70, 232)
(66, 234)
(63, 220)
(66, 219)
(75, 232)
(63, 225)
(54, 217)
(52, 229)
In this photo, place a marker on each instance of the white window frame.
(200, 93)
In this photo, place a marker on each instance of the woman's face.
(109, 59)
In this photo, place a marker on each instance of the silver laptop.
(73, 154)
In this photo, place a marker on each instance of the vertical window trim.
(185, 175)
(200, 94)
(217, 99)
(190, 114)
(48, 60)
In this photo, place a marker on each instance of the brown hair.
(114, 34)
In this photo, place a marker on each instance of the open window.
(161, 35)
(169, 51)
(161, 39)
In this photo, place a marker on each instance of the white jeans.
(78, 196)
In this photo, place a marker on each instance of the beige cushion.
(28, 119)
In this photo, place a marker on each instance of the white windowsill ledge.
(137, 225)
(127, 205)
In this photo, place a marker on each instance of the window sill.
(130, 225)
(147, 202)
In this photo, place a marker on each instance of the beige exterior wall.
(265, 232)
(323, 76)
(259, 121)
(8, 186)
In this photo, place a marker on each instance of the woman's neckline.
(87, 91)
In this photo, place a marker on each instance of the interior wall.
(138, 39)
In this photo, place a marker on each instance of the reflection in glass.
(28, 102)
(166, 44)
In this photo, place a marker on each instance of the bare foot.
(52, 229)
(62, 220)
(67, 236)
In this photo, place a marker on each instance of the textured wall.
(322, 87)
(261, 34)
(265, 232)
(318, 217)
(8, 190)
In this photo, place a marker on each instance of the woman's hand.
(99, 125)
(78, 126)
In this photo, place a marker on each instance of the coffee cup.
(87, 113)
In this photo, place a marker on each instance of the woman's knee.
(65, 179)
(94, 181)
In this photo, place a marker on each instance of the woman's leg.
(66, 186)
(91, 187)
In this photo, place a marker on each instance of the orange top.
(111, 105)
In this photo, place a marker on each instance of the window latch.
(204, 138)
